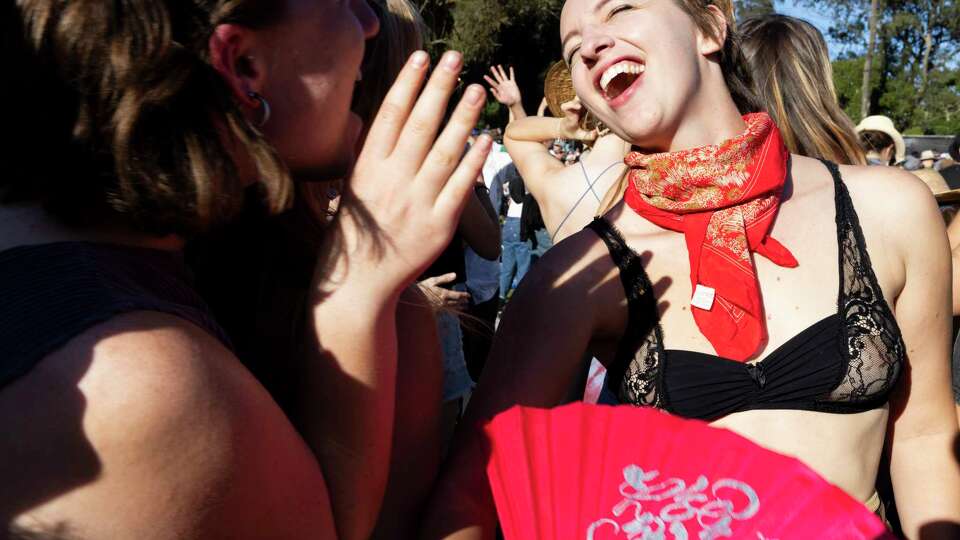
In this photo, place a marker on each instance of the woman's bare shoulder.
(580, 258)
(879, 194)
(895, 198)
(149, 413)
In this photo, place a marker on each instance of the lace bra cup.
(847, 362)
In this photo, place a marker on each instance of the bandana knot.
(723, 198)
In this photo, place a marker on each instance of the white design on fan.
(687, 503)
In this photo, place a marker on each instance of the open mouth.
(619, 77)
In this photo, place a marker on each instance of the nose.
(594, 44)
(368, 19)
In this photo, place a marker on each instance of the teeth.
(626, 66)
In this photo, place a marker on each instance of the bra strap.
(636, 284)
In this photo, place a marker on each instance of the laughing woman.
(794, 301)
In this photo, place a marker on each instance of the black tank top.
(53, 292)
(848, 362)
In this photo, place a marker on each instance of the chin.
(642, 129)
(336, 168)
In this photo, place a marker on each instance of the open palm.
(504, 88)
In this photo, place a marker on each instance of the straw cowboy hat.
(927, 154)
(933, 180)
(558, 89)
(885, 125)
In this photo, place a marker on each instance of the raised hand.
(399, 209)
(504, 88)
(571, 123)
(409, 186)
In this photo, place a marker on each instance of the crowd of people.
(264, 278)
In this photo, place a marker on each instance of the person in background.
(932, 179)
(483, 275)
(882, 142)
(569, 197)
(444, 282)
(556, 150)
(928, 159)
(951, 172)
(791, 69)
(532, 230)
(516, 252)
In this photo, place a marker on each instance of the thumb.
(446, 278)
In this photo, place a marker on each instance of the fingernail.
(451, 60)
(419, 59)
(474, 95)
(484, 141)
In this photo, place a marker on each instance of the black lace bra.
(847, 362)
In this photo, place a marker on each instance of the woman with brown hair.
(270, 259)
(794, 79)
(141, 124)
(709, 291)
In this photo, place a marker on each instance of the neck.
(31, 225)
(708, 122)
(711, 117)
(877, 156)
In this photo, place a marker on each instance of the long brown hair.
(402, 32)
(793, 75)
(119, 117)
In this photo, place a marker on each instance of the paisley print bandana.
(723, 198)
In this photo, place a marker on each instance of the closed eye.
(619, 9)
(572, 55)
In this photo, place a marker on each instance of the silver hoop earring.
(265, 115)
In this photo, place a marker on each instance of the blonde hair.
(793, 75)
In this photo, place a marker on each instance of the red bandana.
(723, 198)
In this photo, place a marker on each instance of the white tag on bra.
(703, 297)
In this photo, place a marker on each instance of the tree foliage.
(521, 33)
(915, 73)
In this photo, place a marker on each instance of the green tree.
(912, 76)
(521, 33)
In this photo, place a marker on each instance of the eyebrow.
(596, 9)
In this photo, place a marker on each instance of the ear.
(712, 45)
(233, 53)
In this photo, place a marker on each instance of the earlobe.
(232, 55)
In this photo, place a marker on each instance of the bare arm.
(546, 328)
(415, 456)
(480, 226)
(925, 474)
(400, 210)
(524, 141)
